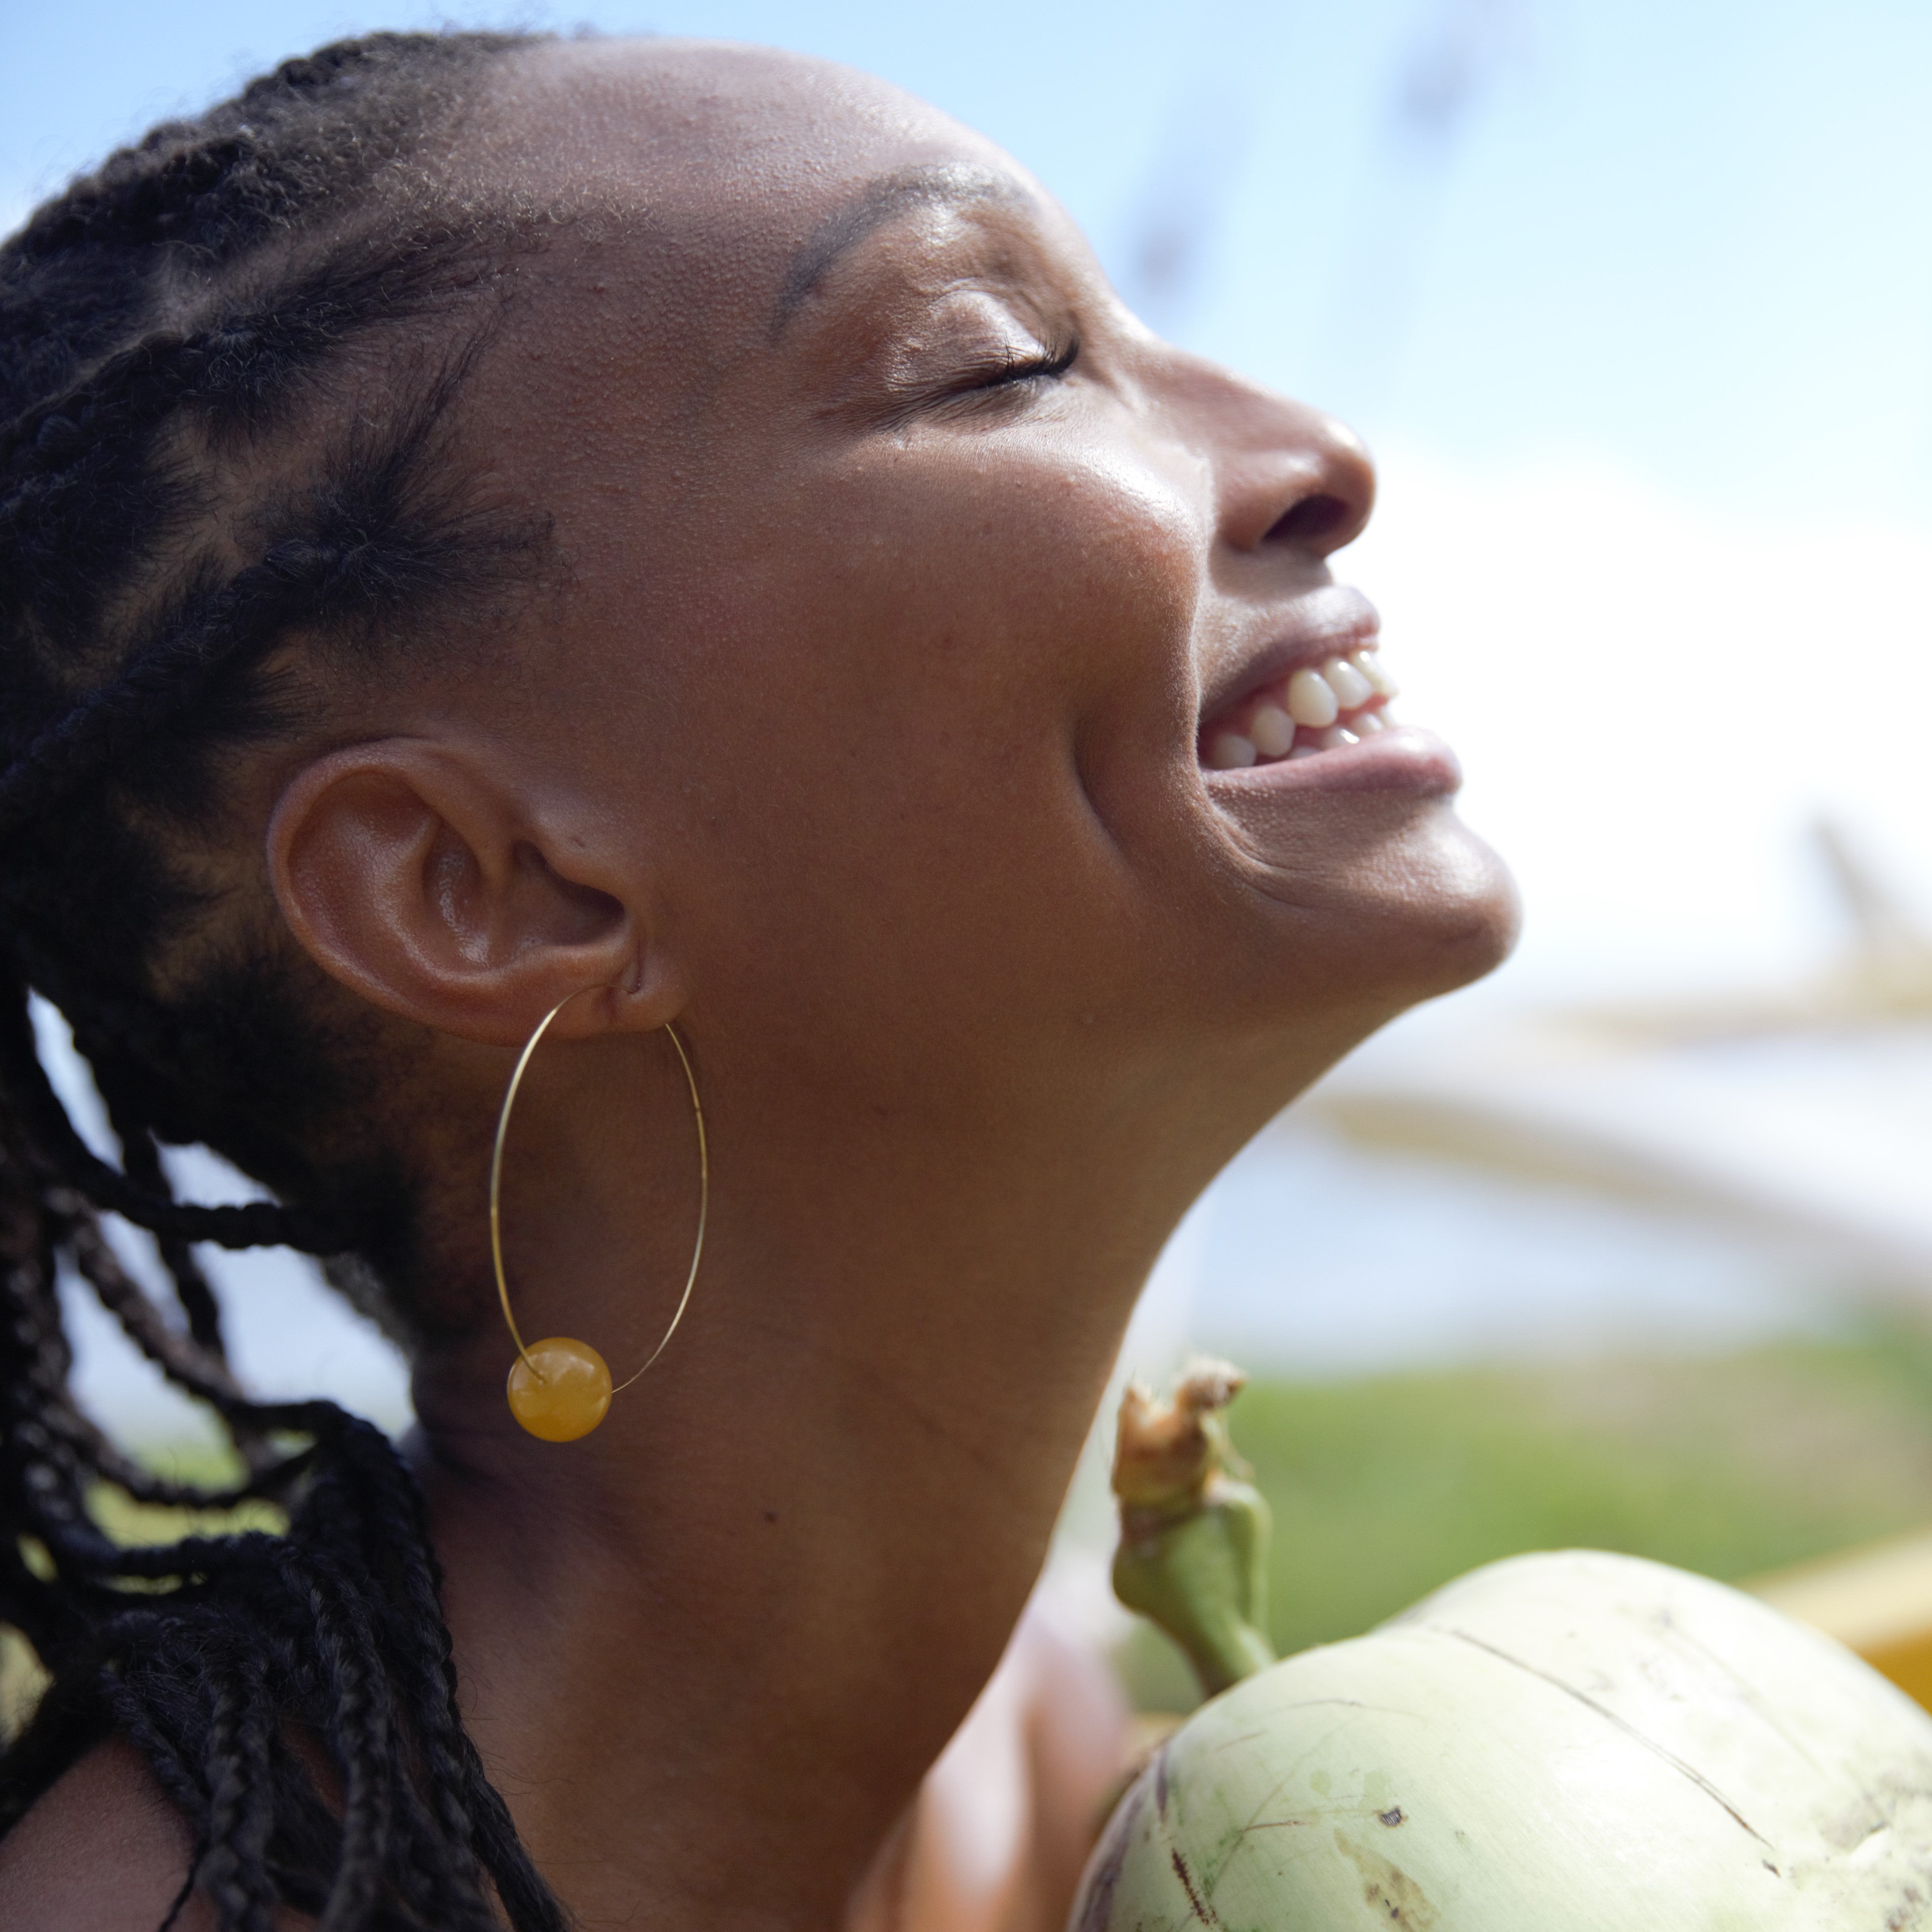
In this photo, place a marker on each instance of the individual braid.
(172, 329)
(141, 1160)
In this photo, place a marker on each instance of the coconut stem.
(1194, 1536)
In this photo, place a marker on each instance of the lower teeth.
(1273, 732)
(1272, 736)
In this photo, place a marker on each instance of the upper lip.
(1324, 623)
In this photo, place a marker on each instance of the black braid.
(141, 1162)
(173, 329)
(250, 1225)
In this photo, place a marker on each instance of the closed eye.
(985, 381)
(1002, 370)
(973, 378)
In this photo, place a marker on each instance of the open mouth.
(1316, 708)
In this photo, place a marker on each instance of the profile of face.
(935, 700)
(921, 609)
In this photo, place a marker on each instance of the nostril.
(1311, 519)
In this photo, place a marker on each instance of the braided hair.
(183, 518)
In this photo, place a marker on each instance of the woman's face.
(913, 586)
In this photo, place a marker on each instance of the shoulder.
(103, 1851)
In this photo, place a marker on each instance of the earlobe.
(413, 875)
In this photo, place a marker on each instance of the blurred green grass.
(1385, 1487)
(207, 1468)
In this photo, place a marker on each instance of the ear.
(423, 875)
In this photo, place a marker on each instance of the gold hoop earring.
(560, 1389)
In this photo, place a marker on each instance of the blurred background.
(1632, 1246)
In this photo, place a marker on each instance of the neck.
(750, 1610)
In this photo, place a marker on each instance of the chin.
(1404, 905)
(1459, 912)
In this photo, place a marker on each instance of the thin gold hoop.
(599, 1397)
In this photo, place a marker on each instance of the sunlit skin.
(859, 737)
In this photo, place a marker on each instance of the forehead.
(703, 196)
(693, 141)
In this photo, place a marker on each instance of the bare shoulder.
(104, 1851)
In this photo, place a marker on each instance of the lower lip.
(1403, 758)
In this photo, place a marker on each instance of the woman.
(687, 532)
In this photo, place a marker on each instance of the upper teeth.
(1350, 687)
(1369, 664)
(1312, 700)
(1306, 712)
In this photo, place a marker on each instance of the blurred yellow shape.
(1876, 1600)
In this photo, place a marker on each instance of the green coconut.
(1572, 1740)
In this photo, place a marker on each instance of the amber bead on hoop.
(560, 1390)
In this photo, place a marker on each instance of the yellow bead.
(566, 1395)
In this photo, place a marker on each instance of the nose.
(1288, 479)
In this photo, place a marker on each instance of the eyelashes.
(986, 379)
(1048, 363)
(1008, 367)
(989, 379)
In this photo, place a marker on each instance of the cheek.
(1019, 586)
(920, 614)
(884, 727)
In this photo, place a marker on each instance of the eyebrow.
(952, 184)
